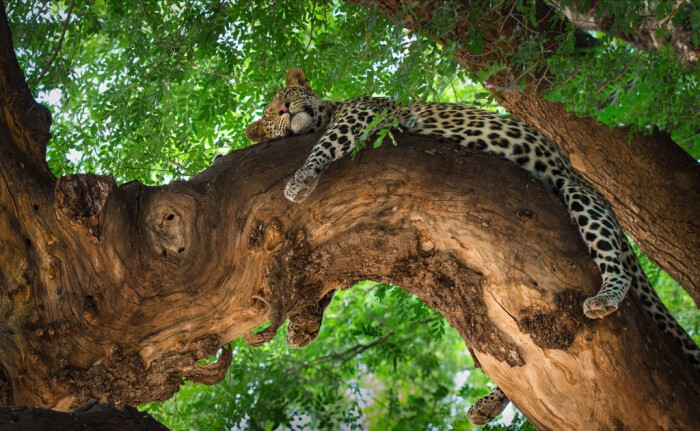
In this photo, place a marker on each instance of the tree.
(90, 267)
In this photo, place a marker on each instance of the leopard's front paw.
(600, 305)
(300, 187)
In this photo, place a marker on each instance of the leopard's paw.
(600, 305)
(486, 408)
(300, 186)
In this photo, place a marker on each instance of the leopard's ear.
(297, 79)
(256, 132)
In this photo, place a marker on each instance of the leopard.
(297, 110)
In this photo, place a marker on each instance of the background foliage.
(154, 89)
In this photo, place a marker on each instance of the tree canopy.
(154, 90)
(164, 86)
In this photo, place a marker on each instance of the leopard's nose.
(284, 107)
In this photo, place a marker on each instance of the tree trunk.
(652, 184)
(113, 293)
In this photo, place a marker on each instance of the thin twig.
(37, 14)
(610, 81)
(354, 350)
(542, 78)
(182, 167)
(311, 34)
(505, 18)
(58, 46)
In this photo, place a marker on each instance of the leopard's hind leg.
(304, 326)
(486, 408)
(603, 235)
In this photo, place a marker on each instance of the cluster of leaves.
(153, 90)
(393, 363)
(673, 296)
(619, 86)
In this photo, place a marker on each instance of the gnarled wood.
(181, 269)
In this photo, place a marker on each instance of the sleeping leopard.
(297, 110)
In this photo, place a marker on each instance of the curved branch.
(179, 270)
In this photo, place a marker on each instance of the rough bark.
(114, 292)
(653, 185)
(92, 416)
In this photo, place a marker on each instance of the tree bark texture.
(114, 293)
(652, 184)
(92, 416)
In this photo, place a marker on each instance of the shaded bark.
(92, 416)
(675, 25)
(115, 292)
(652, 184)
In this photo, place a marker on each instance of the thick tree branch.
(118, 300)
(653, 185)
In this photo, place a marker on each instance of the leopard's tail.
(659, 313)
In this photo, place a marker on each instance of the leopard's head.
(293, 111)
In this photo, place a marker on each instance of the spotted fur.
(297, 110)
(304, 326)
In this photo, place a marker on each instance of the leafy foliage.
(623, 86)
(153, 90)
